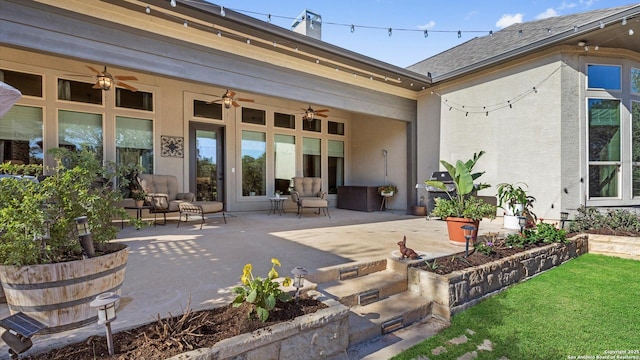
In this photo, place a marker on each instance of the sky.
(408, 19)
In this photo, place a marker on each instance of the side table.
(277, 205)
(138, 210)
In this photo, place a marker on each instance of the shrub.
(614, 219)
(542, 233)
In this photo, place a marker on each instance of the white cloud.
(427, 26)
(566, 5)
(550, 12)
(587, 3)
(509, 19)
(470, 15)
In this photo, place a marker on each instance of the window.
(28, 84)
(284, 120)
(253, 116)
(335, 128)
(606, 77)
(139, 100)
(79, 91)
(207, 110)
(284, 159)
(336, 165)
(635, 80)
(78, 130)
(311, 157)
(254, 150)
(21, 135)
(134, 142)
(604, 147)
(314, 125)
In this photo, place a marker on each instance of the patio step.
(367, 289)
(395, 312)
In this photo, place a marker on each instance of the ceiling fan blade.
(246, 100)
(126, 86)
(126, 77)
(94, 70)
(235, 104)
(323, 110)
(213, 101)
(231, 93)
(322, 115)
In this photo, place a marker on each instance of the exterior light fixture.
(298, 279)
(105, 80)
(522, 221)
(309, 114)
(227, 99)
(106, 305)
(84, 235)
(564, 216)
(19, 330)
(468, 236)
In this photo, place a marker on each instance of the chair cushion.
(313, 202)
(209, 207)
(163, 184)
(307, 186)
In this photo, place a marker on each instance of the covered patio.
(170, 266)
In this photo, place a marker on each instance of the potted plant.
(515, 202)
(387, 190)
(139, 196)
(278, 193)
(463, 207)
(43, 269)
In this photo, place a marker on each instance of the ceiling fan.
(309, 113)
(104, 80)
(228, 99)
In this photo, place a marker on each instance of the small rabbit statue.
(405, 251)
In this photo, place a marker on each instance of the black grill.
(434, 193)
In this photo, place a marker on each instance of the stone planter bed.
(461, 289)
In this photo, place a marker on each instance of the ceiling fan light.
(309, 114)
(105, 82)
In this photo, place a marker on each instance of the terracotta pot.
(139, 203)
(456, 234)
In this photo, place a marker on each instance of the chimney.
(308, 23)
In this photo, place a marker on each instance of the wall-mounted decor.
(172, 146)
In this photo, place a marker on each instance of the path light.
(84, 235)
(563, 218)
(468, 235)
(20, 329)
(522, 221)
(106, 305)
(298, 279)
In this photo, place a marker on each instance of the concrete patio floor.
(170, 266)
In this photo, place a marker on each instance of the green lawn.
(588, 306)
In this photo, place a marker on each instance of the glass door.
(207, 178)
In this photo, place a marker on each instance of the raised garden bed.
(456, 291)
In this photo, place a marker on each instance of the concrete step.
(365, 289)
(395, 312)
(347, 271)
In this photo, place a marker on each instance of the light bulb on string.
(222, 12)
(490, 33)
(426, 34)
(269, 17)
(390, 31)
(624, 21)
(185, 23)
(353, 28)
(173, 3)
(601, 24)
(459, 34)
(148, 10)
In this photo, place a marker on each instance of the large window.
(284, 159)
(21, 135)
(254, 150)
(336, 165)
(78, 91)
(311, 157)
(207, 110)
(606, 77)
(253, 116)
(28, 84)
(134, 142)
(78, 130)
(604, 148)
(139, 100)
(284, 120)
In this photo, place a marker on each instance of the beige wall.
(370, 135)
(523, 143)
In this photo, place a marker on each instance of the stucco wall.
(370, 136)
(523, 142)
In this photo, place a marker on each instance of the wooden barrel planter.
(58, 295)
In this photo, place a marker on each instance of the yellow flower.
(244, 279)
(247, 268)
(275, 261)
(273, 274)
(286, 281)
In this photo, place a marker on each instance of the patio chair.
(307, 193)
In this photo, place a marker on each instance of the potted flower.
(278, 193)
(515, 202)
(387, 190)
(40, 235)
(139, 196)
(463, 207)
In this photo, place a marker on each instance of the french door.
(206, 161)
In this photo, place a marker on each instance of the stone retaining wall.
(320, 335)
(459, 290)
(620, 246)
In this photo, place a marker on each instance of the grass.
(585, 307)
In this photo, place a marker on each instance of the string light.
(248, 41)
(390, 31)
(426, 34)
(601, 24)
(222, 12)
(353, 28)
(173, 3)
(575, 28)
(490, 33)
(185, 23)
(624, 21)
(148, 10)
(631, 32)
(219, 33)
(269, 17)
(459, 34)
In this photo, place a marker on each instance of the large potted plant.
(515, 202)
(463, 207)
(45, 273)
